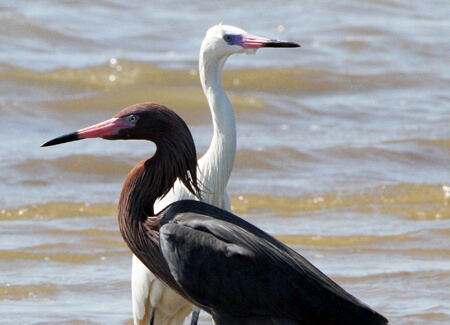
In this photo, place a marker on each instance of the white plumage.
(214, 169)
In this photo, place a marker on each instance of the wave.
(21, 292)
(53, 210)
(416, 201)
(67, 257)
(444, 143)
(337, 241)
(118, 73)
(276, 158)
(405, 155)
(81, 164)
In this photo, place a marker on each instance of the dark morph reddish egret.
(151, 298)
(218, 261)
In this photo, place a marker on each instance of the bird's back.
(249, 276)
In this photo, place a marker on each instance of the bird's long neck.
(138, 224)
(139, 192)
(175, 158)
(217, 163)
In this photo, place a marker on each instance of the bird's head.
(224, 40)
(145, 121)
(149, 121)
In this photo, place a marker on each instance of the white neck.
(216, 165)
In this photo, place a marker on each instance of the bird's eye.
(227, 38)
(132, 118)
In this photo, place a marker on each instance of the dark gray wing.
(225, 263)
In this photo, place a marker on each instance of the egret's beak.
(101, 130)
(255, 42)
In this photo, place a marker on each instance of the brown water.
(343, 144)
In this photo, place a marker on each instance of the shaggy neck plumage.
(175, 158)
(152, 178)
(149, 180)
(142, 187)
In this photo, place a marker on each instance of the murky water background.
(343, 144)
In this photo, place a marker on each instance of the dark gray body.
(242, 275)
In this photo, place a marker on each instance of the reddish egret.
(151, 298)
(214, 259)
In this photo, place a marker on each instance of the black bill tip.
(275, 43)
(62, 139)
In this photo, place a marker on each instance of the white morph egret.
(215, 167)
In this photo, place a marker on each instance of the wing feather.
(223, 262)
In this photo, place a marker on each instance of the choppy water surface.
(343, 144)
